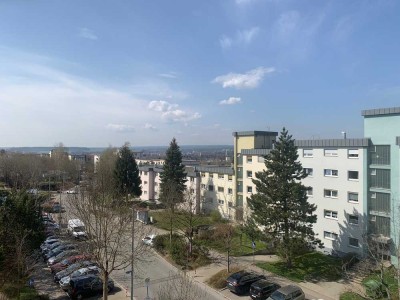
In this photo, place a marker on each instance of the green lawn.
(310, 266)
(161, 219)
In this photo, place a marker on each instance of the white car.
(149, 240)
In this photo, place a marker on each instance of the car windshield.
(278, 296)
(78, 272)
(79, 229)
(237, 276)
(65, 262)
(71, 267)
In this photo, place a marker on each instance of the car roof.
(289, 289)
(262, 283)
(239, 274)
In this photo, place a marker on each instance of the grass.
(313, 265)
(390, 278)
(161, 219)
(218, 280)
(350, 296)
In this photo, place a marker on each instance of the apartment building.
(353, 182)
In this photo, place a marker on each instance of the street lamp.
(147, 283)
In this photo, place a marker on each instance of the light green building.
(382, 127)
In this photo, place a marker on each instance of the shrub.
(218, 280)
(215, 216)
(160, 242)
(178, 251)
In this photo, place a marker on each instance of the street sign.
(253, 244)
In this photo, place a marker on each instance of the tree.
(173, 179)
(108, 225)
(126, 173)
(280, 205)
(226, 233)
(180, 287)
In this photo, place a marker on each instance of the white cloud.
(120, 127)
(242, 37)
(87, 33)
(170, 75)
(149, 126)
(161, 106)
(248, 80)
(230, 101)
(171, 113)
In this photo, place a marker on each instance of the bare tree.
(226, 232)
(108, 223)
(180, 288)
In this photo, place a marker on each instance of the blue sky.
(99, 73)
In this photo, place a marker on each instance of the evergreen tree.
(126, 173)
(173, 177)
(281, 205)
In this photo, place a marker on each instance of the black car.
(87, 286)
(72, 268)
(240, 282)
(262, 289)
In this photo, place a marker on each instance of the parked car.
(65, 253)
(86, 286)
(49, 242)
(241, 281)
(72, 268)
(76, 228)
(291, 292)
(262, 289)
(91, 270)
(51, 247)
(67, 262)
(149, 240)
(59, 249)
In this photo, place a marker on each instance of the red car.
(68, 261)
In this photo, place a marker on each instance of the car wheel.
(79, 297)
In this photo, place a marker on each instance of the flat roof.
(337, 143)
(254, 133)
(381, 111)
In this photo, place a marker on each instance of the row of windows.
(351, 196)
(351, 175)
(353, 242)
(220, 189)
(220, 176)
(330, 214)
(351, 153)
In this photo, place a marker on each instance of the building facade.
(353, 182)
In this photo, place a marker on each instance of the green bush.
(215, 216)
(178, 251)
(160, 242)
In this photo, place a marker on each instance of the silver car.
(289, 292)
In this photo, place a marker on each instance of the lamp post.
(147, 283)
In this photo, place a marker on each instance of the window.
(220, 201)
(373, 172)
(353, 242)
(145, 192)
(230, 204)
(249, 159)
(192, 191)
(221, 176)
(331, 152)
(211, 188)
(249, 174)
(310, 191)
(353, 219)
(249, 189)
(221, 189)
(191, 179)
(307, 152)
(211, 175)
(203, 174)
(145, 182)
(203, 186)
(352, 197)
(330, 193)
(373, 195)
(229, 177)
(353, 175)
(145, 173)
(330, 235)
(140, 172)
(156, 183)
(229, 191)
(330, 172)
(330, 214)
(352, 153)
(155, 193)
(308, 171)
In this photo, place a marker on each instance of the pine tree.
(173, 177)
(126, 173)
(281, 205)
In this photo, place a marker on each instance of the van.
(76, 228)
